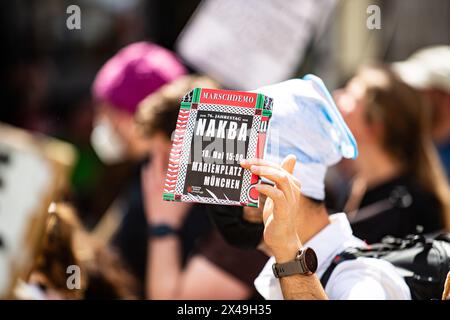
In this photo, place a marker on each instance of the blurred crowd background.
(47, 69)
(47, 72)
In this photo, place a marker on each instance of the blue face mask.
(333, 123)
(306, 123)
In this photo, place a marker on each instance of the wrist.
(304, 263)
(164, 220)
(172, 224)
(162, 230)
(286, 252)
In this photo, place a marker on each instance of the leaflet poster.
(215, 130)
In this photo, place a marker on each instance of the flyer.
(215, 130)
(231, 43)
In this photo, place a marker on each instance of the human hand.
(281, 206)
(157, 210)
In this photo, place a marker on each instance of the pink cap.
(135, 72)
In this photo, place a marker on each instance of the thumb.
(288, 163)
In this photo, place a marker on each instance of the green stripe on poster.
(168, 196)
(185, 105)
(259, 102)
(267, 113)
(196, 97)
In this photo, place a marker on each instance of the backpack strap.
(346, 255)
(378, 250)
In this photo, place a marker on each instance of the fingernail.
(244, 162)
(254, 169)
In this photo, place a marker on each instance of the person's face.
(123, 128)
(439, 101)
(351, 103)
(159, 144)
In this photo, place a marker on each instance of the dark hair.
(158, 112)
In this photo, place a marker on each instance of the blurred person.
(66, 243)
(213, 268)
(399, 186)
(135, 72)
(298, 231)
(72, 113)
(428, 70)
(126, 79)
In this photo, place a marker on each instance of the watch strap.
(161, 230)
(298, 265)
(288, 269)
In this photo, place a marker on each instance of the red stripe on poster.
(225, 97)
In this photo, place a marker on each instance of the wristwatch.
(161, 230)
(304, 263)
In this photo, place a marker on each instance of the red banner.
(225, 97)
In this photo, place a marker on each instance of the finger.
(247, 163)
(288, 163)
(296, 182)
(279, 176)
(277, 196)
(267, 209)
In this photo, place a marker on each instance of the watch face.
(311, 260)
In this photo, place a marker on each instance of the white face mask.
(107, 143)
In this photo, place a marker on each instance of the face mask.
(304, 109)
(109, 146)
(234, 228)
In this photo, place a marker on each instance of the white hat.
(305, 122)
(427, 68)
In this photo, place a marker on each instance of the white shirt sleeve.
(366, 279)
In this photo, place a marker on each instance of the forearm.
(163, 268)
(299, 287)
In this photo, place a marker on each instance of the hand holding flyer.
(215, 130)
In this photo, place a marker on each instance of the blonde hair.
(66, 243)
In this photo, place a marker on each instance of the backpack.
(422, 261)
